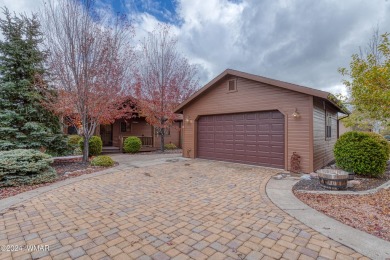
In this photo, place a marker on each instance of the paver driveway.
(188, 209)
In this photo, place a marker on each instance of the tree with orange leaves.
(165, 78)
(89, 63)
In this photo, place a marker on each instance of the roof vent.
(232, 85)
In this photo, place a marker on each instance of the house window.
(328, 125)
(232, 86)
(125, 127)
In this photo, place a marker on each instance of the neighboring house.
(114, 134)
(368, 127)
(240, 117)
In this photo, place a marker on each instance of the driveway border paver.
(280, 193)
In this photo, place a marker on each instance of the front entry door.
(106, 134)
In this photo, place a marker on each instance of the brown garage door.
(253, 138)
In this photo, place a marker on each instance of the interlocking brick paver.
(207, 210)
(76, 252)
(254, 255)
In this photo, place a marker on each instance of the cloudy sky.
(298, 41)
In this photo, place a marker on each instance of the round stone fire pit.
(333, 179)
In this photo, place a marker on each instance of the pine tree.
(24, 122)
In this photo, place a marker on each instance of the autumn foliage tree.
(369, 84)
(89, 63)
(164, 79)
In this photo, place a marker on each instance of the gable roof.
(301, 89)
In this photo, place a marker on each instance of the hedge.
(25, 167)
(361, 153)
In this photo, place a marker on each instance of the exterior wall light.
(296, 113)
(188, 120)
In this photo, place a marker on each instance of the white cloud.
(298, 41)
(303, 42)
(21, 6)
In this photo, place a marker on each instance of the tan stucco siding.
(254, 96)
(323, 147)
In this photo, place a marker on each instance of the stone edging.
(280, 193)
(385, 185)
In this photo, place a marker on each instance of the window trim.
(328, 125)
(127, 127)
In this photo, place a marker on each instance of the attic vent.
(232, 85)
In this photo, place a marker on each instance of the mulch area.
(64, 171)
(369, 213)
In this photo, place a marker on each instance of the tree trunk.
(162, 141)
(86, 149)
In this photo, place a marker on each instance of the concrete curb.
(280, 193)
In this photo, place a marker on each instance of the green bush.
(25, 167)
(170, 146)
(361, 153)
(95, 145)
(132, 144)
(102, 160)
(385, 144)
(74, 140)
(77, 151)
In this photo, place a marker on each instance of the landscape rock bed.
(365, 183)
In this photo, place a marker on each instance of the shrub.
(361, 153)
(102, 160)
(25, 167)
(95, 145)
(132, 144)
(170, 146)
(77, 151)
(74, 140)
(385, 144)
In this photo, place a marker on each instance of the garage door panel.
(238, 117)
(277, 138)
(277, 127)
(250, 128)
(277, 115)
(254, 138)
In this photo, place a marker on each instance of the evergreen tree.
(24, 122)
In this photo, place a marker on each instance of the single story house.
(245, 118)
(113, 135)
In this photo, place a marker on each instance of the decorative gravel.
(365, 183)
